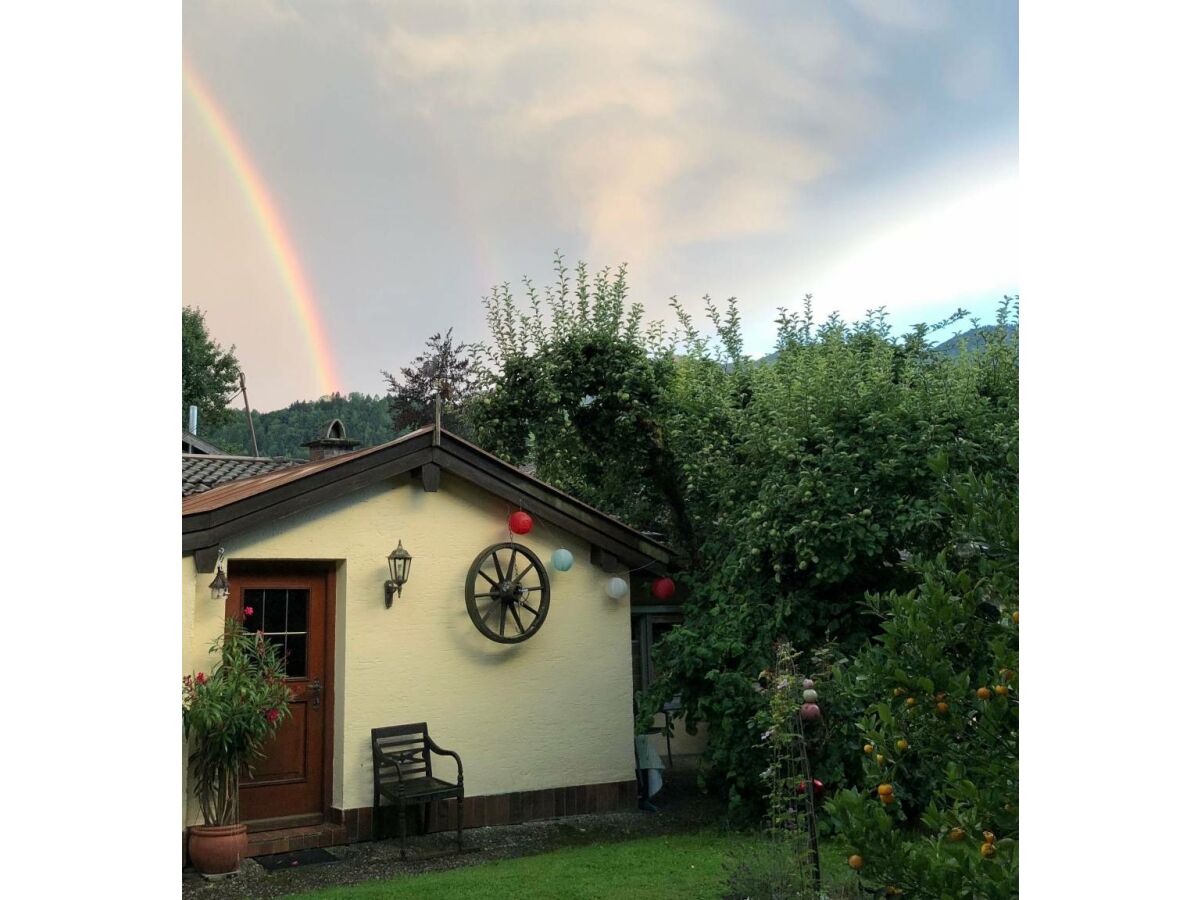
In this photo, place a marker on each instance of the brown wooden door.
(288, 780)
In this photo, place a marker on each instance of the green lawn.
(671, 867)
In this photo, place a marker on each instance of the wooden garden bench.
(404, 774)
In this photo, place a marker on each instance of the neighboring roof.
(193, 444)
(235, 507)
(204, 471)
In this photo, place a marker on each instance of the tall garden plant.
(230, 714)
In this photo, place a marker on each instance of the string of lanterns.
(521, 522)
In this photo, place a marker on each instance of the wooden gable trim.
(205, 529)
(421, 456)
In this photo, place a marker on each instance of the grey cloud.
(421, 151)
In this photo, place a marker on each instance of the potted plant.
(228, 715)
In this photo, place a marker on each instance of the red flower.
(272, 715)
(201, 678)
(248, 611)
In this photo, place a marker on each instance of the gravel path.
(680, 808)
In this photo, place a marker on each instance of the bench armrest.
(458, 759)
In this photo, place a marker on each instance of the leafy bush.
(230, 714)
(938, 692)
(791, 487)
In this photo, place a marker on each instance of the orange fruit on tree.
(1007, 674)
(957, 834)
(868, 749)
(983, 694)
(911, 701)
(879, 758)
(941, 695)
(943, 708)
(856, 862)
(988, 850)
(1002, 690)
(902, 744)
(885, 790)
(989, 838)
(888, 799)
(898, 692)
(1016, 619)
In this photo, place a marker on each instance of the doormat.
(295, 859)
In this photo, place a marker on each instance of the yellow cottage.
(539, 704)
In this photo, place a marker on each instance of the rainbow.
(283, 251)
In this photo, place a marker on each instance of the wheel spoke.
(512, 564)
(488, 578)
(496, 560)
(487, 615)
(488, 594)
(503, 610)
(517, 620)
(523, 573)
(528, 589)
(530, 608)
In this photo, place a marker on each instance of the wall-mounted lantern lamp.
(399, 561)
(220, 584)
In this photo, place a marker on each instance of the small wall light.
(399, 561)
(220, 584)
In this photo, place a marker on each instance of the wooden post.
(249, 418)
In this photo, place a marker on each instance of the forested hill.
(282, 431)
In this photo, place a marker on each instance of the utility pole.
(437, 420)
(249, 418)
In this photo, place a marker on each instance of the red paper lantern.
(520, 522)
(663, 588)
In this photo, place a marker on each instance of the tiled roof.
(204, 471)
(231, 493)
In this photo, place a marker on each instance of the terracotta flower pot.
(217, 849)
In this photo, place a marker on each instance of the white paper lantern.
(617, 588)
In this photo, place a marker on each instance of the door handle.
(314, 688)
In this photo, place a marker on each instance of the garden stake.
(810, 805)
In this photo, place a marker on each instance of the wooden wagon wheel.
(507, 582)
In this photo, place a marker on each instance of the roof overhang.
(211, 517)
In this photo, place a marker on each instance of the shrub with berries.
(938, 699)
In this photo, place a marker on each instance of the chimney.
(334, 442)
(193, 415)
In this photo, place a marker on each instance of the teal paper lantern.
(617, 588)
(562, 559)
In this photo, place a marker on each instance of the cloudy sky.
(357, 175)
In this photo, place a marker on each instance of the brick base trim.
(498, 809)
(348, 826)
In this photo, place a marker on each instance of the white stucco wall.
(552, 711)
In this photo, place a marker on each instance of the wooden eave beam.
(617, 544)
